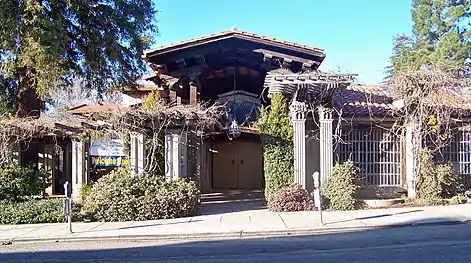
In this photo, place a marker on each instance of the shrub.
(291, 199)
(85, 190)
(341, 189)
(20, 183)
(458, 199)
(451, 183)
(151, 101)
(119, 197)
(35, 211)
(437, 181)
(277, 145)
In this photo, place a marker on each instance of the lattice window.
(377, 153)
(458, 152)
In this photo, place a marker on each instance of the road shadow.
(272, 249)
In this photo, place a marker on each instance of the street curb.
(228, 235)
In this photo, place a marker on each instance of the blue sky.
(355, 34)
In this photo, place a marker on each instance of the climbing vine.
(277, 145)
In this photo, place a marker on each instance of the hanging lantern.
(234, 130)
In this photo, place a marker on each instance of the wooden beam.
(287, 63)
(181, 64)
(271, 54)
(187, 71)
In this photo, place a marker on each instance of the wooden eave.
(234, 34)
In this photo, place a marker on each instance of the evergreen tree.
(51, 43)
(441, 37)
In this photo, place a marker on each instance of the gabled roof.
(233, 33)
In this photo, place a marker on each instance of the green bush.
(35, 211)
(341, 189)
(120, 197)
(277, 145)
(20, 183)
(291, 199)
(437, 181)
(85, 190)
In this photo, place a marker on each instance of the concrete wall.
(382, 192)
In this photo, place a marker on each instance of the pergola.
(309, 92)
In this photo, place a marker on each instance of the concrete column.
(298, 119)
(411, 160)
(182, 155)
(176, 157)
(138, 153)
(80, 171)
(168, 156)
(325, 134)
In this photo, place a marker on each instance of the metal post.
(68, 206)
(317, 194)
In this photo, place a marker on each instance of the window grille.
(377, 153)
(458, 153)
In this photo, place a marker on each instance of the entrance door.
(224, 166)
(237, 165)
(249, 166)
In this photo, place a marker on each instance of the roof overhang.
(233, 34)
(216, 50)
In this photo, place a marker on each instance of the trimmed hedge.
(21, 183)
(342, 188)
(291, 199)
(35, 211)
(119, 197)
(276, 134)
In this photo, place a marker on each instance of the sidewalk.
(257, 222)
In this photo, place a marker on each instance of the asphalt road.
(413, 244)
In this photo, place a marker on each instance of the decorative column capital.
(325, 113)
(298, 110)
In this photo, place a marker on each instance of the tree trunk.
(29, 103)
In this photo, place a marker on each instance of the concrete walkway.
(231, 223)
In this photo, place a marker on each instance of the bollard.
(317, 195)
(68, 206)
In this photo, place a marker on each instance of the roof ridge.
(232, 31)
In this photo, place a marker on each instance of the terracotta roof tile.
(379, 100)
(364, 101)
(94, 108)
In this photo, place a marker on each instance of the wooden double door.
(237, 165)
